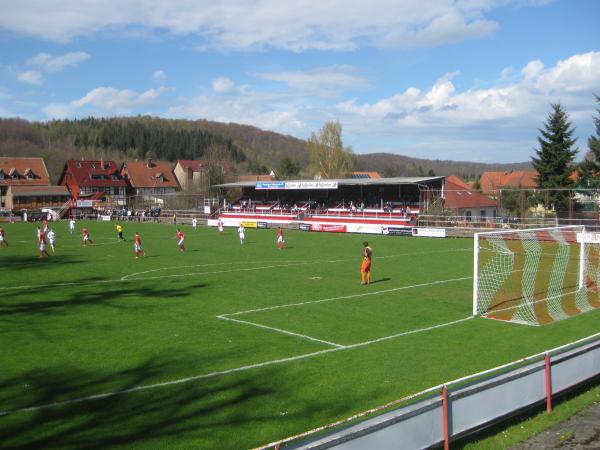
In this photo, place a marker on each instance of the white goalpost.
(534, 276)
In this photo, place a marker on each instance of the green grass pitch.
(232, 346)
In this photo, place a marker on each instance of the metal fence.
(460, 407)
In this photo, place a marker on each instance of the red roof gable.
(23, 172)
(94, 173)
(193, 164)
(458, 182)
(457, 197)
(492, 181)
(149, 174)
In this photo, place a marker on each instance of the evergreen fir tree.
(554, 161)
(589, 168)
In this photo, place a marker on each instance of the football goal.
(535, 276)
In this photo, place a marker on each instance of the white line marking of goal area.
(225, 372)
(330, 299)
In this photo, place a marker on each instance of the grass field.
(230, 346)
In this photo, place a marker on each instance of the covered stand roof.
(333, 183)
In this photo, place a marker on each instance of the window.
(468, 216)
(483, 214)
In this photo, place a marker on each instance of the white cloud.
(118, 101)
(305, 24)
(323, 81)
(519, 105)
(159, 75)
(58, 111)
(229, 103)
(30, 77)
(223, 85)
(50, 64)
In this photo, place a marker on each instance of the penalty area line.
(225, 372)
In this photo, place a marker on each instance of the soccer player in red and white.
(42, 243)
(85, 234)
(137, 246)
(180, 238)
(2, 238)
(280, 239)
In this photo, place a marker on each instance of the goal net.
(535, 276)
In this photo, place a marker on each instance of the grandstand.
(363, 205)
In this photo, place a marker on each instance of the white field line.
(310, 302)
(345, 297)
(223, 372)
(280, 330)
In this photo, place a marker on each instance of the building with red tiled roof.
(86, 178)
(371, 175)
(35, 197)
(467, 202)
(492, 182)
(149, 177)
(21, 172)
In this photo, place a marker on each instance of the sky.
(469, 80)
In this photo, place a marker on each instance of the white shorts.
(280, 240)
(42, 246)
(1, 238)
(52, 241)
(241, 235)
(86, 238)
(180, 242)
(137, 247)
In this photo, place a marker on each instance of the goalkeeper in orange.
(365, 268)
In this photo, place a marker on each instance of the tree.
(589, 169)
(288, 168)
(328, 157)
(554, 161)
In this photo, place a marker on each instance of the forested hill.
(392, 165)
(250, 149)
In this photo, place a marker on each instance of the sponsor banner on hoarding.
(429, 232)
(84, 203)
(396, 231)
(105, 218)
(249, 224)
(262, 224)
(328, 228)
(270, 185)
(589, 238)
(304, 226)
(296, 185)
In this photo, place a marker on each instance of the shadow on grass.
(33, 260)
(18, 302)
(186, 412)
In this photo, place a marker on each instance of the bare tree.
(328, 157)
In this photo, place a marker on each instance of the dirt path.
(581, 431)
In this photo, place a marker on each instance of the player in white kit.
(72, 225)
(51, 235)
(194, 223)
(242, 233)
(220, 226)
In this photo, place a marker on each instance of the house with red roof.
(21, 172)
(36, 197)
(93, 180)
(462, 200)
(149, 177)
(492, 182)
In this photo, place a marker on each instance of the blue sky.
(455, 79)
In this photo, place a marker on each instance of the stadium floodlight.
(535, 276)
